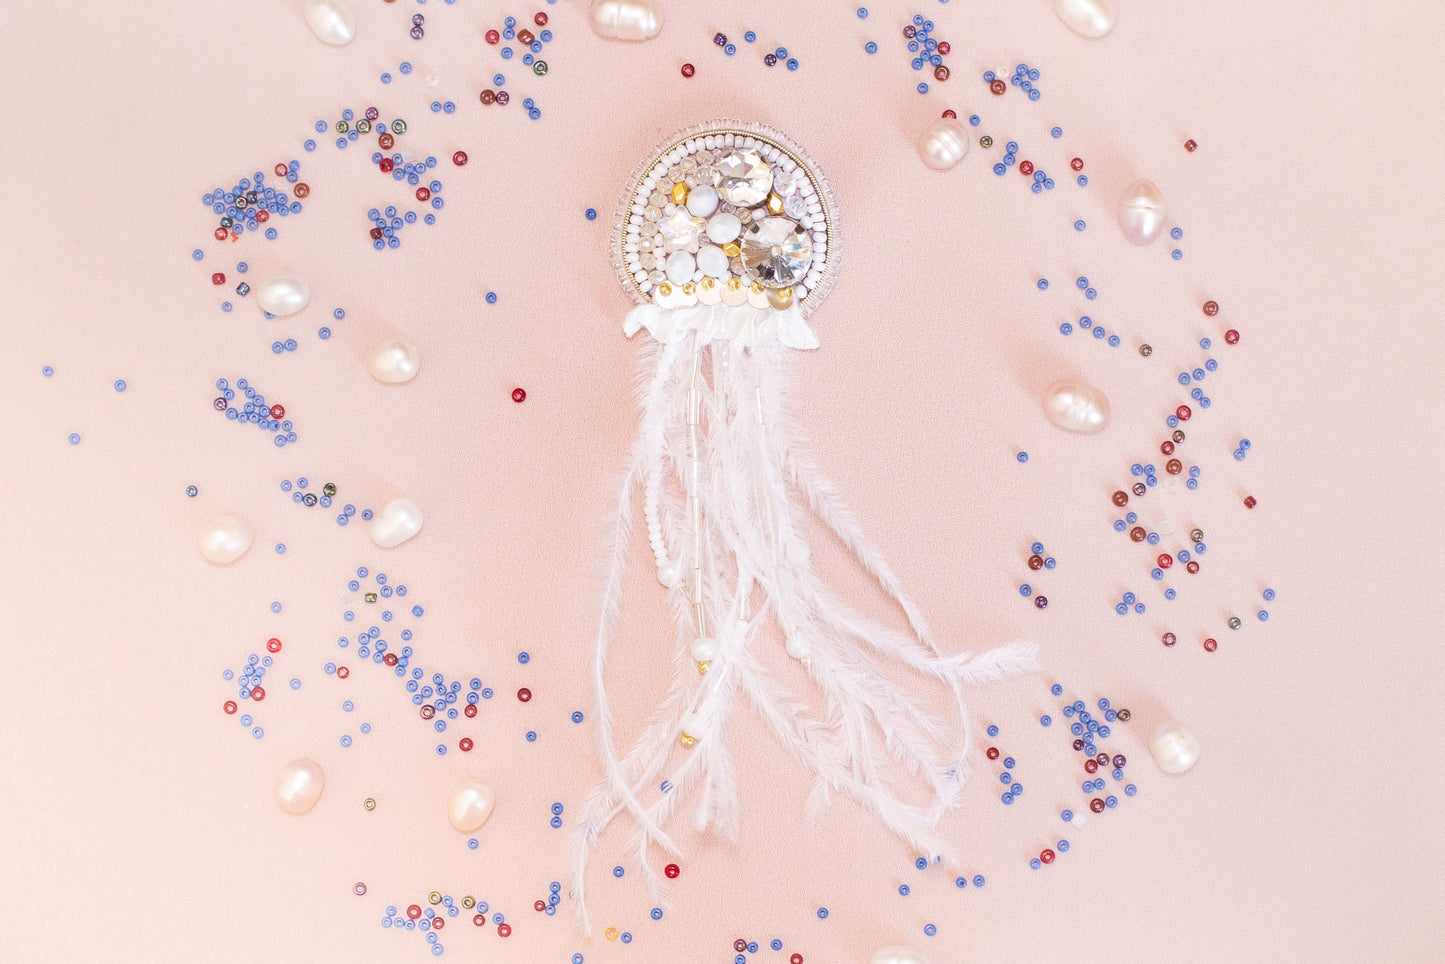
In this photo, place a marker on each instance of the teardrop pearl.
(299, 786)
(1141, 212)
(1175, 749)
(394, 361)
(283, 294)
(943, 144)
(471, 804)
(398, 522)
(898, 955)
(1087, 18)
(1076, 407)
(224, 539)
(331, 21)
(704, 649)
(626, 19)
(669, 573)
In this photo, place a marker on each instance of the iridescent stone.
(743, 176)
(795, 206)
(776, 252)
(679, 230)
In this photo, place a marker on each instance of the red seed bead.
(1121, 498)
(796, 959)
(1166, 448)
(1077, 164)
(1091, 766)
(1231, 336)
(465, 744)
(1036, 561)
(263, 216)
(438, 922)
(1169, 639)
(342, 672)
(503, 97)
(943, 48)
(1026, 167)
(525, 37)
(688, 70)
(1249, 502)
(301, 190)
(258, 693)
(460, 158)
(218, 278)
(1210, 645)
(940, 73)
(1211, 308)
(993, 753)
(1096, 805)
(1102, 759)
(519, 395)
(504, 930)
(273, 645)
(1183, 413)
(539, 905)
(1046, 855)
(998, 87)
(470, 711)
(1192, 567)
(1190, 146)
(414, 911)
(524, 694)
(423, 194)
(389, 659)
(230, 707)
(950, 115)
(220, 234)
(1165, 560)
(428, 711)
(280, 170)
(493, 37)
(385, 141)
(540, 19)
(1140, 488)
(278, 411)
(672, 870)
(480, 920)
(1137, 534)
(1174, 466)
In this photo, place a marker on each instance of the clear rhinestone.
(679, 230)
(795, 207)
(776, 252)
(743, 176)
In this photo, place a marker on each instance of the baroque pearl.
(331, 21)
(626, 19)
(398, 522)
(898, 954)
(680, 266)
(722, 228)
(1087, 18)
(471, 804)
(283, 294)
(702, 202)
(943, 144)
(1175, 749)
(1141, 212)
(1075, 406)
(704, 649)
(299, 786)
(394, 361)
(669, 573)
(224, 539)
(712, 261)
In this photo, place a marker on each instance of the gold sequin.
(665, 290)
(780, 298)
(689, 289)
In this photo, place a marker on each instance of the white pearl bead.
(704, 649)
(797, 647)
(471, 804)
(1076, 406)
(398, 522)
(299, 786)
(283, 294)
(702, 201)
(898, 955)
(224, 539)
(394, 361)
(712, 261)
(692, 726)
(722, 228)
(1175, 749)
(680, 266)
(943, 144)
(669, 573)
(331, 21)
(626, 19)
(1087, 18)
(1141, 212)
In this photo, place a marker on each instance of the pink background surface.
(136, 820)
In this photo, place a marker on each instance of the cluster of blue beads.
(253, 195)
(255, 411)
(924, 46)
(1240, 449)
(396, 919)
(1089, 732)
(1129, 599)
(250, 677)
(544, 36)
(389, 221)
(347, 132)
(300, 496)
(1087, 326)
(1023, 78)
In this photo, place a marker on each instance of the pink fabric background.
(136, 821)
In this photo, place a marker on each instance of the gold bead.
(371, 597)
(707, 284)
(775, 205)
(664, 289)
(469, 902)
(679, 193)
(611, 933)
(687, 740)
(732, 249)
(370, 804)
(780, 298)
(756, 287)
(435, 897)
(703, 666)
(689, 289)
(734, 283)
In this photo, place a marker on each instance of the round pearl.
(702, 201)
(1087, 18)
(331, 21)
(283, 294)
(1076, 407)
(224, 539)
(722, 228)
(669, 573)
(398, 522)
(712, 261)
(626, 19)
(394, 361)
(943, 144)
(299, 786)
(797, 647)
(1141, 212)
(471, 804)
(680, 266)
(898, 955)
(692, 726)
(704, 649)
(1175, 749)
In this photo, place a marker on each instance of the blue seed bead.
(750, 36)
(930, 930)
(1176, 233)
(1043, 284)
(993, 729)
(822, 913)
(960, 882)
(1023, 457)
(1079, 225)
(1007, 798)
(1046, 720)
(978, 880)
(870, 47)
(903, 890)
(1025, 590)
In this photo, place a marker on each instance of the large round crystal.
(743, 176)
(776, 252)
